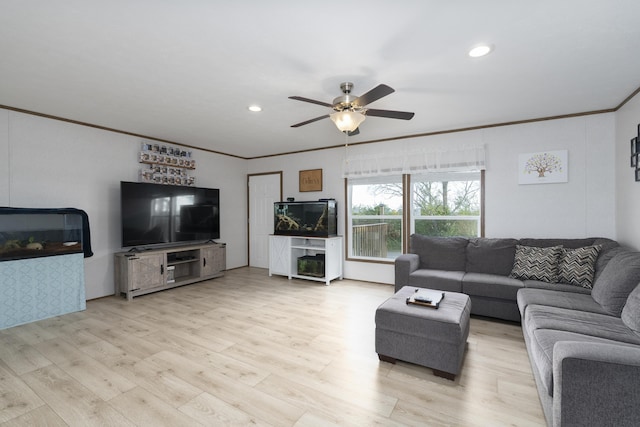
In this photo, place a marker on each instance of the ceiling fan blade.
(403, 115)
(313, 101)
(309, 121)
(373, 95)
(354, 133)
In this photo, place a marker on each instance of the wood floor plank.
(297, 353)
(16, 398)
(104, 382)
(132, 345)
(212, 411)
(332, 407)
(252, 401)
(145, 409)
(20, 356)
(42, 416)
(111, 356)
(36, 332)
(71, 401)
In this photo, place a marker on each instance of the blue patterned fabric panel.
(39, 288)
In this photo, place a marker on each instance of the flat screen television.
(156, 214)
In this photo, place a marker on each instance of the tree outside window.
(441, 205)
(446, 207)
(375, 228)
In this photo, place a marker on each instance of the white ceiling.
(186, 71)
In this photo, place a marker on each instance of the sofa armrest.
(596, 384)
(405, 264)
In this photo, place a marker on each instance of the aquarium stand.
(311, 258)
(42, 255)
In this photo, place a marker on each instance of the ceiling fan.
(350, 111)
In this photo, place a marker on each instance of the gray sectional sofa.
(579, 304)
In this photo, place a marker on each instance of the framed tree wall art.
(545, 167)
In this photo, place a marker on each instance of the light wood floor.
(248, 349)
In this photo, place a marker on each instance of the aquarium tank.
(30, 233)
(313, 219)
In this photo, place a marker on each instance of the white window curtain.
(464, 158)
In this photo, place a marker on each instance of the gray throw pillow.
(577, 266)
(440, 253)
(631, 311)
(533, 263)
(618, 279)
(491, 256)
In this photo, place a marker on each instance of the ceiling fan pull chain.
(346, 148)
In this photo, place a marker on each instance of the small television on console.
(156, 214)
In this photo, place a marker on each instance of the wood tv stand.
(142, 272)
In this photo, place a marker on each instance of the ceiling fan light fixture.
(255, 108)
(347, 121)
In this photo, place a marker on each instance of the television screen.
(154, 214)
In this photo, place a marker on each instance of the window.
(446, 204)
(374, 217)
(440, 204)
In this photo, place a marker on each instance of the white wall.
(628, 190)
(584, 206)
(54, 164)
(49, 163)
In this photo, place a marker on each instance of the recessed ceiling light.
(255, 108)
(480, 50)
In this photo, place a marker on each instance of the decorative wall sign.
(311, 180)
(545, 167)
(166, 165)
(635, 154)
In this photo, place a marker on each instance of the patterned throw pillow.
(533, 263)
(577, 266)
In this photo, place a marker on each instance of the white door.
(264, 191)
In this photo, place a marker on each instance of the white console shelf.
(284, 252)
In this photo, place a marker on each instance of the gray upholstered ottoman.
(430, 337)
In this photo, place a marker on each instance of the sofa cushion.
(631, 311)
(491, 285)
(491, 256)
(607, 253)
(443, 280)
(618, 279)
(541, 346)
(562, 287)
(566, 243)
(553, 298)
(536, 263)
(440, 253)
(579, 322)
(577, 266)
